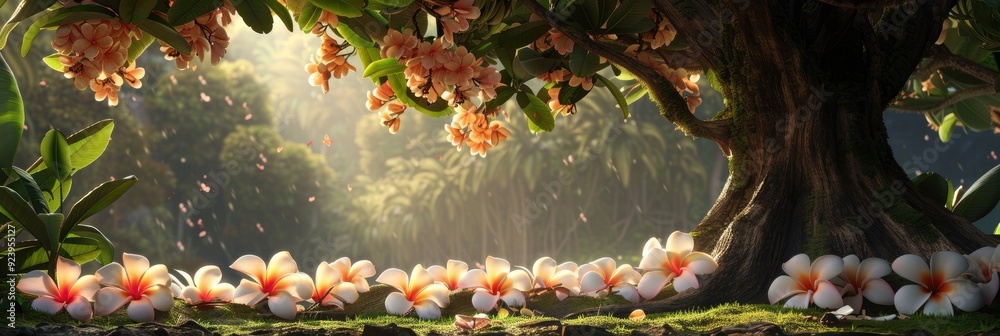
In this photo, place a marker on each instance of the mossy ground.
(238, 319)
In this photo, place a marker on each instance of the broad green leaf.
(184, 11)
(503, 95)
(637, 92)
(27, 8)
(538, 113)
(534, 63)
(56, 154)
(95, 201)
(135, 10)
(944, 132)
(591, 11)
(980, 199)
(437, 110)
(383, 67)
(26, 186)
(11, 115)
(352, 37)
(255, 14)
(80, 249)
(569, 95)
(103, 243)
(33, 31)
(282, 12)
(5, 32)
(933, 186)
(629, 12)
(345, 8)
(54, 190)
(640, 26)
(30, 256)
(617, 93)
(85, 146)
(308, 16)
(997, 230)
(974, 114)
(139, 46)
(53, 62)
(392, 3)
(522, 35)
(583, 63)
(295, 6)
(52, 221)
(79, 13)
(15, 208)
(162, 30)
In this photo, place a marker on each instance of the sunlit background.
(247, 158)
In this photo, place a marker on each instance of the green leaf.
(637, 92)
(55, 191)
(522, 35)
(27, 8)
(33, 31)
(281, 11)
(26, 186)
(944, 132)
(162, 30)
(135, 10)
(393, 3)
(139, 46)
(30, 256)
(534, 63)
(5, 32)
(15, 208)
(11, 115)
(437, 110)
(981, 197)
(56, 154)
(353, 37)
(345, 8)
(974, 114)
(591, 11)
(53, 62)
(52, 221)
(503, 95)
(103, 243)
(933, 186)
(85, 146)
(308, 16)
(569, 95)
(538, 113)
(617, 93)
(79, 13)
(295, 6)
(639, 26)
(997, 230)
(383, 67)
(80, 249)
(583, 63)
(629, 12)
(95, 201)
(184, 11)
(255, 14)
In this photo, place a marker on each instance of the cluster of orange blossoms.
(475, 129)
(383, 99)
(328, 62)
(94, 53)
(205, 34)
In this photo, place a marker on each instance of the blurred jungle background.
(246, 157)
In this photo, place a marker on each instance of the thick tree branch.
(941, 58)
(988, 89)
(906, 32)
(672, 105)
(863, 4)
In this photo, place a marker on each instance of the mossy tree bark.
(811, 170)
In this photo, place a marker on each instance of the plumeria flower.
(68, 290)
(206, 286)
(807, 283)
(144, 288)
(984, 264)
(937, 287)
(863, 280)
(471, 323)
(450, 276)
(357, 273)
(560, 278)
(330, 289)
(495, 284)
(676, 261)
(278, 281)
(418, 292)
(601, 276)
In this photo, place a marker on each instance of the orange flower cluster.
(455, 18)
(474, 128)
(383, 100)
(205, 34)
(94, 53)
(328, 62)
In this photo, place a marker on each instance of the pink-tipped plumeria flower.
(937, 287)
(278, 281)
(984, 264)
(450, 276)
(145, 289)
(68, 290)
(495, 284)
(676, 261)
(863, 280)
(602, 277)
(807, 283)
(330, 289)
(357, 273)
(418, 292)
(206, 286)
(560, 278)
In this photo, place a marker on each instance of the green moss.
(815, 234)
(905, 214)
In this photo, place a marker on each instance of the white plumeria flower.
(602, 277)
(144, 288)
(206, 286)
(357, 273)
(68, 290)
(495, 284)
(418, 292)
(863, 280)
(807, 283)
(450, 276)
(278, 281)
(676, 261)
(330, 290)
(984, 264)
(560, 278)
(938, 287)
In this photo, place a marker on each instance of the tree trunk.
(811, 170)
